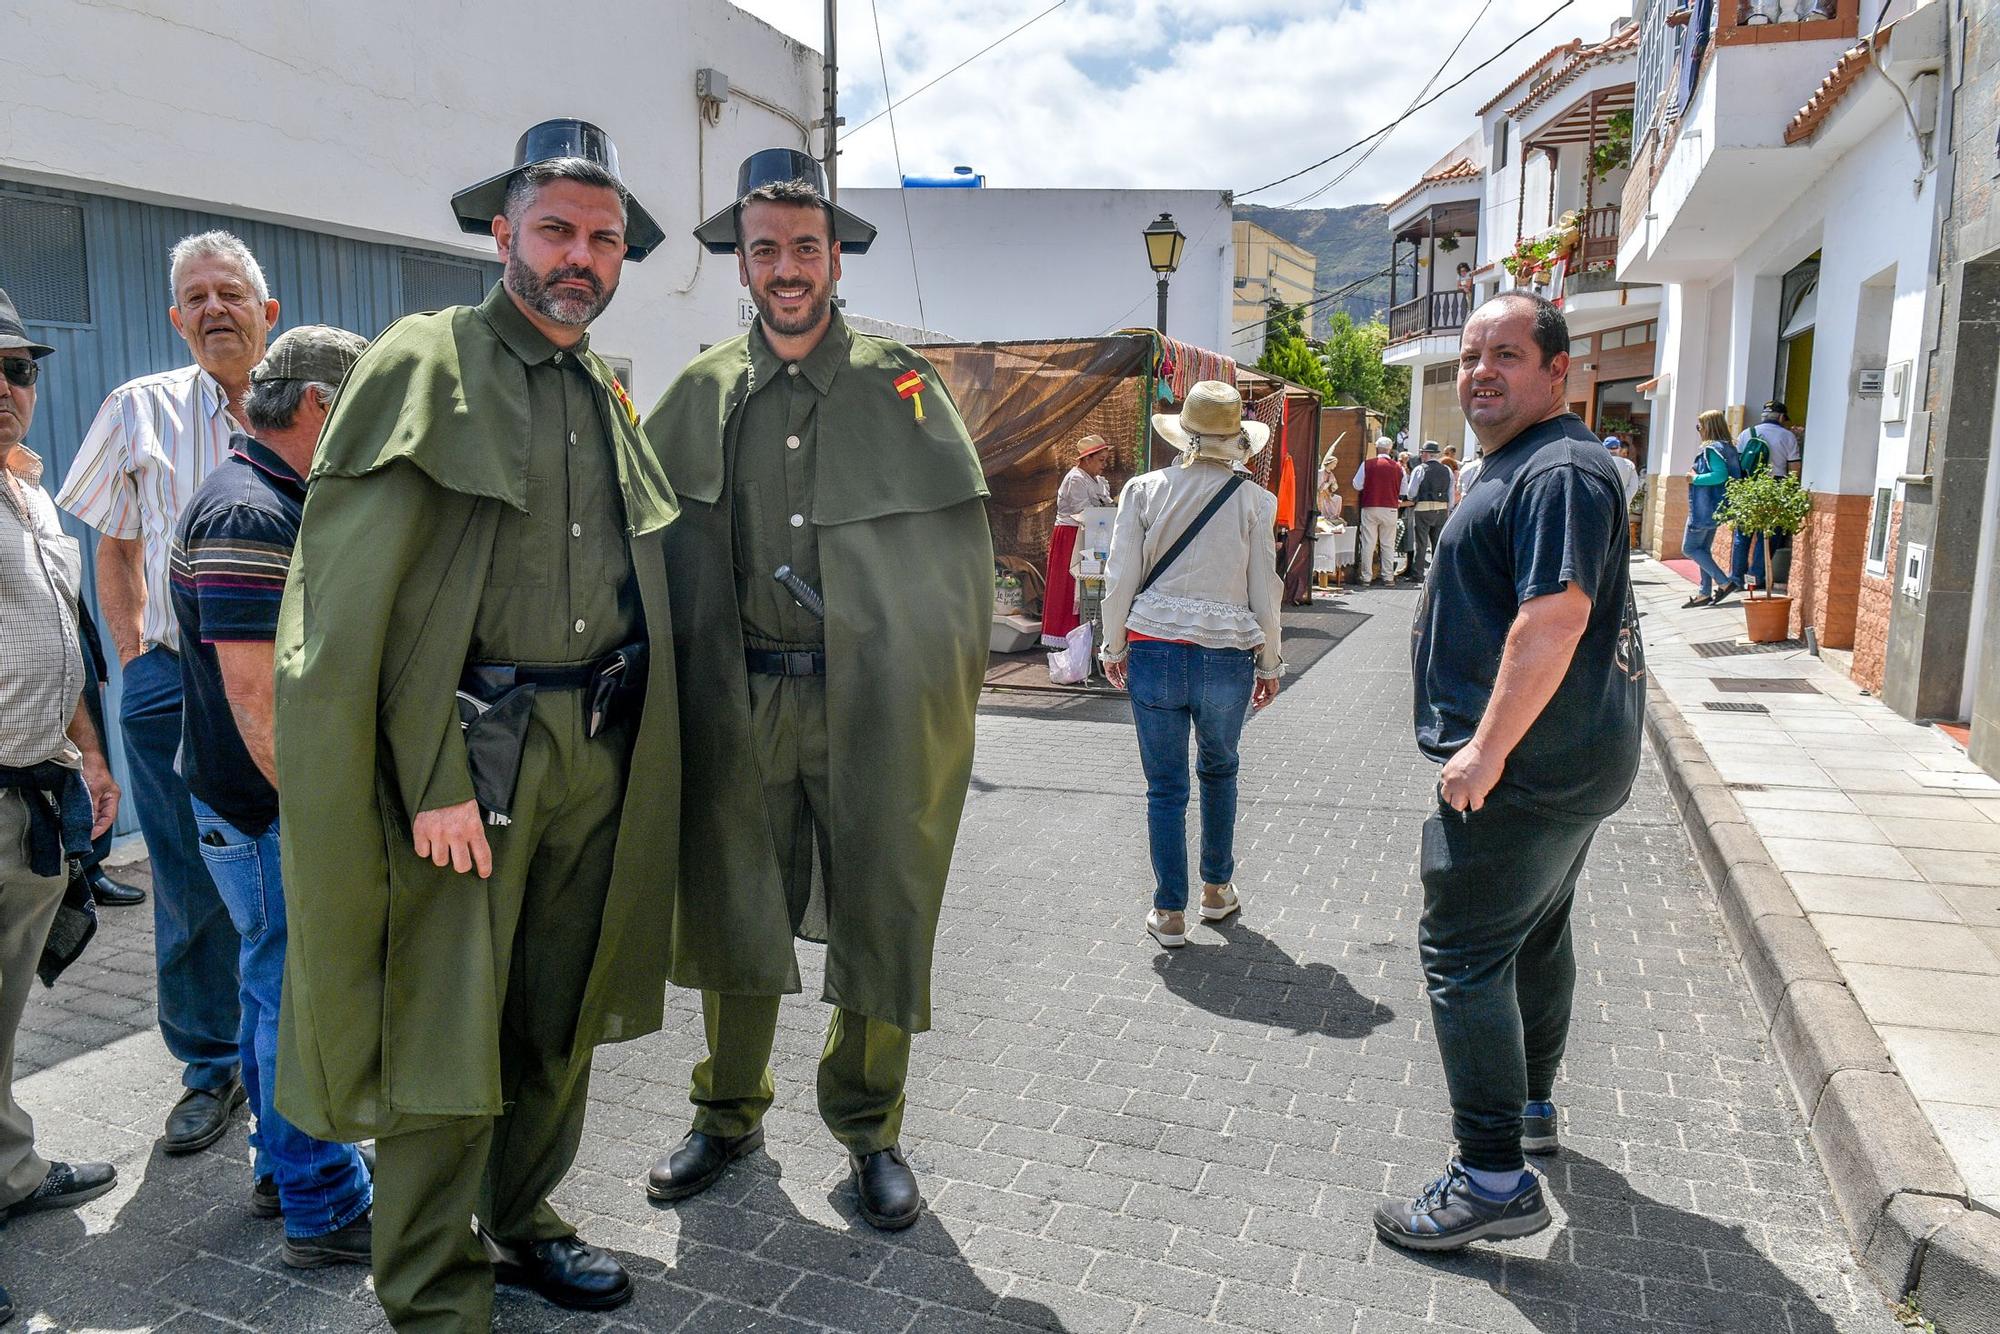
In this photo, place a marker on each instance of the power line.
(1452, 87)
(1316, 302)
(1429, 85)
(948, 73)
(902, 193)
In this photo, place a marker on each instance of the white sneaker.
(1230, 903)
(1156, 926)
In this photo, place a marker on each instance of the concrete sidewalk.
(1857, 857)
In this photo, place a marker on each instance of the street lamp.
(1163, 252)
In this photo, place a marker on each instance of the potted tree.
(1765, 505)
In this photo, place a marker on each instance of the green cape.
(391, 1014)
(907, 567)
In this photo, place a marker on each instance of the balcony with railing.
(1433, 312)
(1431, 257)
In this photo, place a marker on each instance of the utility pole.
(830, 72)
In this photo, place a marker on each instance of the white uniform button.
(579, 625)
(798, 521)
(576, 530)
(791, 442)
(572, 437)
(792, 369)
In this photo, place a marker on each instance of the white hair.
(215, 245)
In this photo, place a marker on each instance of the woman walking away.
(1715, 465)
(1191, 629)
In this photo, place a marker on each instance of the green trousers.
(551, 871)
(861, 1072)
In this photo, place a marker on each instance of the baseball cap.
(311, 352)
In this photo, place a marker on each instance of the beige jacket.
(1223, 591)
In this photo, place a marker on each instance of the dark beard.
(815, 314)
(564, 308)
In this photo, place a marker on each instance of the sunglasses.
(21, 372)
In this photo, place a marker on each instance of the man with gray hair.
(478, 772)
(230, 556)
(154, 441)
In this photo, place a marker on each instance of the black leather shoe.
(350, 1245)
(697, 1163)
(887, 1188)
(201, 1116)
(65, 1187)
(564, 1271)
(110, 893)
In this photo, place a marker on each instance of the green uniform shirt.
(771, 488)
(561, 588)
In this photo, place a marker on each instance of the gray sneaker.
(1452, 1212)
(1538, 1128)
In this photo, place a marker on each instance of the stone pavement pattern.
(1112, 1138)
(1889, 837)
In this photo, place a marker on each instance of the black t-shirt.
(1546, 511)
(227, 573)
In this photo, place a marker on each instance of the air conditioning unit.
(1868, 383)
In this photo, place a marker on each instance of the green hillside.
(1350, 244)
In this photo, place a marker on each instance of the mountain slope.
(1350, 244)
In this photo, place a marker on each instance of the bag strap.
(1182, 542)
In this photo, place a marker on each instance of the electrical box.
(711, 85)
(1896, 392)
(1916, 562)
(1868, 383)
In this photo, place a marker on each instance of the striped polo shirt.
(154, 441)
(227, 574)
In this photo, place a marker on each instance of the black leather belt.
(797, 662)
(556, 678)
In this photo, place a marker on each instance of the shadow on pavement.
(744, 1241)
(1251, 978)
(1620, 1239)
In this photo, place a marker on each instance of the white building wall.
(1007, 264)
(362, 118)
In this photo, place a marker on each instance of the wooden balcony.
(1435, 312)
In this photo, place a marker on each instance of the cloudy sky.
(1226, 94)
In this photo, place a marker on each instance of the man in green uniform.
(481, 543)
(825, 760)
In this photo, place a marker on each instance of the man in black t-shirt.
(1529, 691)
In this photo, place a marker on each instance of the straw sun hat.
(1210, 425)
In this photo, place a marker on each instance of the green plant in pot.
(1765, 506)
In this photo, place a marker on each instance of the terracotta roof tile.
(1853, 63)
(1626, 39)
(1463, 169)
(1574, 44)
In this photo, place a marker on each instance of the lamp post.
(1164, 243)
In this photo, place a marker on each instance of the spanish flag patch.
(624, 401)
(910, 385)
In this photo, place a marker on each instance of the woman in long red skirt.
(1082, 487)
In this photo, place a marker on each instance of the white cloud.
(1173, 93)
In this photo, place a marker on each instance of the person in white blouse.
(1191, 630)
(1082, 487)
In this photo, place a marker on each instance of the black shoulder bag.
(1173, 552)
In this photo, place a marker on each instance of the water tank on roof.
(961, 178)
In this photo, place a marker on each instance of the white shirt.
(1223, 591)
(1784, 446)
(1078, 492)
(153, 442)
(1628, 476)
(41, 658)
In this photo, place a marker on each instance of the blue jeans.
(1697, 544)
(193, 941)
(1746, 556)
(1173, 686)
(321, 1186)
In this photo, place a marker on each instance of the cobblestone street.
(1112, 1138)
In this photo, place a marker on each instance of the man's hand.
(1468, 776)
(1263, 692)
(103, 794)
(1114, 672)
(454, 837)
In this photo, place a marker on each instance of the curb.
(1904, 1205)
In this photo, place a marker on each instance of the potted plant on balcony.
(1765, 505)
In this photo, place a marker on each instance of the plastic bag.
(1070, 665)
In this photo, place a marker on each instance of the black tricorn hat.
(477, 205)
(769, 166)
